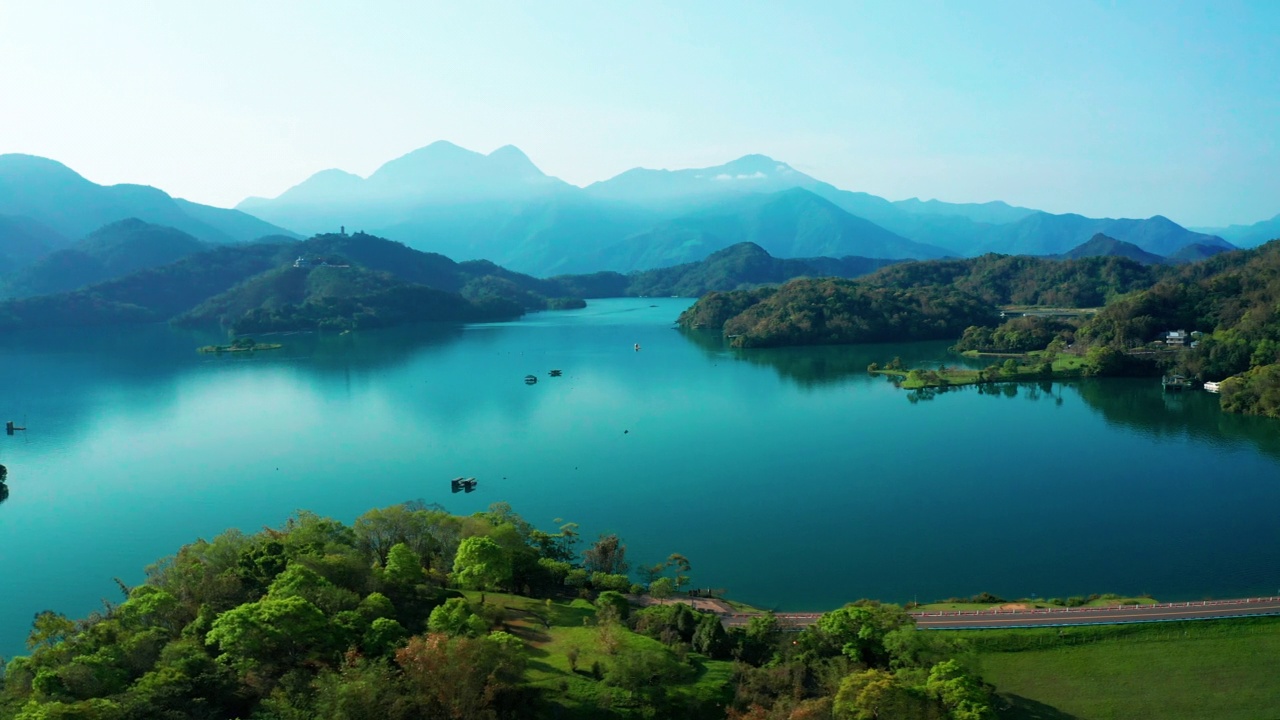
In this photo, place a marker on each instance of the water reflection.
(1139, 404)
(815, 367)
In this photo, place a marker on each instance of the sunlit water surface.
(790, 478)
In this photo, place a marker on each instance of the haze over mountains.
(43, 203)
(500, 206)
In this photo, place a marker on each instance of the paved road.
(1058, 617)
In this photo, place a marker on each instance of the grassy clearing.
(1029, 369)
(577, 688)
(1222, 669)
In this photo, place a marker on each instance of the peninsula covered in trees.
(1228, 301)
(412, 612)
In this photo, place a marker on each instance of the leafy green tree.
(48, 629)
(404, 567)
(383, 636)
(455, 617)
(856, 631)
(662, 588)
(878, 695)
(613, 605)
(481, 564)
(276, 632)
(964, 698)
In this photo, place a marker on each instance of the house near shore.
(1177, 338)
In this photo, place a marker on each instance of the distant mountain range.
(1247, 236)
(44, 199)
(501, 207)
(447, 199)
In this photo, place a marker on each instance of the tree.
(877, 695)
(607, 555)
(857, 631)
(274, 631)
(48, 629)
(612, 606)
(460, 678)
(963, 697)
(454, 618)
(662, 588)
(481, 564)
(404, 567)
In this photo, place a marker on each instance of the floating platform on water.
(554, 373)
(1174, 383)
(10, 428)
(461, 484)
(530, 379)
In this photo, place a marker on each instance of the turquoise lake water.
(790, 478)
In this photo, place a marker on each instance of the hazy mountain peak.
(508, 151)
(18, 168)
(753, 167)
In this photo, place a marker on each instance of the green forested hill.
(306, 298)
(1234, 299)
(930, 299)
(1026, 280)
(257, 288)
(151, 295)
(109, 252)
(833, 312)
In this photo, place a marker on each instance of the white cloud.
(757, 175)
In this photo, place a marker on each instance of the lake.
(790, 478)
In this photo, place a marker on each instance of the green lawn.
(1223, 669)
(1028, 369)
(571, 690)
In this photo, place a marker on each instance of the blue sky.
(1106, 109)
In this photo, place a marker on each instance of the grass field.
(555, 631)
(1064, 366)
(1224, 670)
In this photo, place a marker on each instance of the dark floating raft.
(530, 379)
(461, 484)
(554, 373)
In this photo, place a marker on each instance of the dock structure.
(461, 484)
(1174, 383)
(10, 428)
